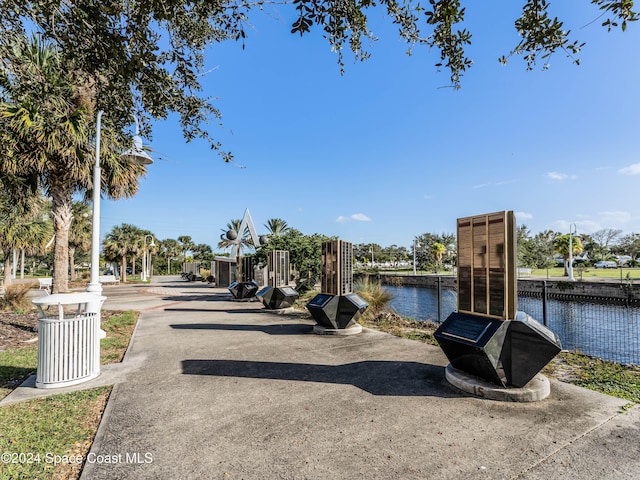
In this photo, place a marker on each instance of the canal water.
(611, 332)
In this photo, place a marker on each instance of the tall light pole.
(145, 252)
(571, 233)
(415, 244)
(372, 262)
(135, 155)
(94, 282)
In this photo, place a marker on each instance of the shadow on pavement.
(276, 329)
(375, 377)
(205, 297)
(214, 310)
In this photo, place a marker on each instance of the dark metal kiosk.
(337, 309)
(487, 337)
(278, 294)
(244, 287)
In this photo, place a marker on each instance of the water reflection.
(610, 332)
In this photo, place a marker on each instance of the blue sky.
(386, 152)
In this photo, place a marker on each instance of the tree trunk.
(72, 262)
(8, 268)
(61, 209)
(123, 270)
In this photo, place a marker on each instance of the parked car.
(605, 264)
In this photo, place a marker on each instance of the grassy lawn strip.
(589, 272)
(119, 329)
(16, 366)
(622, 381)
(59, 428)
(49, 437)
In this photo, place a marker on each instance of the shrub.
(376, 296)
(15, 297)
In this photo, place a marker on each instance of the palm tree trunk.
(123, 270)
(8, 268)
(61, 209)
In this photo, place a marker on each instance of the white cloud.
(358, 217)
(481, 185)
(523, 215)
(633, 169)
(560, 176)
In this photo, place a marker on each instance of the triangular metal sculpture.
(244, 287)
(246, 223)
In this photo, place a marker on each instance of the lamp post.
(145, 252)
(571, 233)
(135, 155)
(415, 245)
(373, 264)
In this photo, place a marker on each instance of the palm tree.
(135, 243)
(171, 249)
(186, 244)
(437, 249)
(119, 243)
(22, 225)
(561, 246)
(276, 226)
(46, 114)
(202, 252)
(79, 234)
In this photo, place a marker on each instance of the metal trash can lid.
(68, 298)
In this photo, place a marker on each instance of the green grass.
(46, 430)
(622, 381)
(15, 366)
(587, 273)
(119, 329)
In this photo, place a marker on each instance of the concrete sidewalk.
(212, 388)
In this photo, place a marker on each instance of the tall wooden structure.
(337, 267)
(487, 283)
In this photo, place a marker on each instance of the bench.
(45, 283)
(108, 279)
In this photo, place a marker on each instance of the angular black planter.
(275, 298)
(504, 352)
(243, 290)
(337, 311)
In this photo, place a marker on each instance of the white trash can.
(68, 342)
